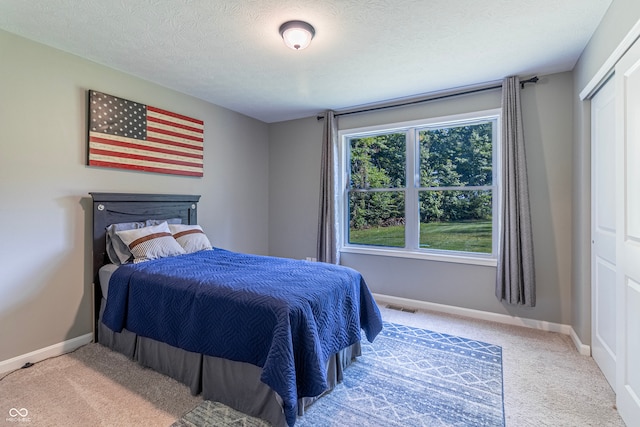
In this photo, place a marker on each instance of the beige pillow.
(190, 237)
(151, 242)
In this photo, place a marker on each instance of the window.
(425, 188)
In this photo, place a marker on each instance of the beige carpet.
(93, 386)
(546, 382)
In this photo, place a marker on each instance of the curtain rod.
(533, 79)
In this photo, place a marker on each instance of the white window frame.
(412, 249)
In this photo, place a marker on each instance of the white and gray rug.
(407, 377)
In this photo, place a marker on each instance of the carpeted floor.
(93, 386)
(546, 382)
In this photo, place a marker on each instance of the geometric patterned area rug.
(407, 377)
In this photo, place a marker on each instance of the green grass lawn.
(464, 236)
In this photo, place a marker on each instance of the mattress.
(104, 274)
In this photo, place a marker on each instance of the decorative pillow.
(190, 237)
(151, 242)
(117, 250)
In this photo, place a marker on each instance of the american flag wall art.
(130, 135)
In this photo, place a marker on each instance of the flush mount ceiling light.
(297, 34)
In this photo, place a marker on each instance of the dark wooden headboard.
(112, 208)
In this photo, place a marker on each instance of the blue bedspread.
(286, 316)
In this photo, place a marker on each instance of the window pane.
(456, 220)
(456, 156)
(378, 161)
(376, 218)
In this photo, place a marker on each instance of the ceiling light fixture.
(297, 34)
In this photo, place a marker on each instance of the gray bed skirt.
(235, 384)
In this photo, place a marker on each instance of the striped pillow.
(190, 237)
(117, 251)
(151, 242)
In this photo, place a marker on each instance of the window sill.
(456, 259)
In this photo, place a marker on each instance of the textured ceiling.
(229, 52)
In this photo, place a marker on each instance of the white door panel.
(605, 319)
(603, 231)
(628, 235)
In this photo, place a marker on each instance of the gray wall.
(547, 107)
(45, 215)
(619, 19)
(294, 186)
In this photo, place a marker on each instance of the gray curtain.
(515, 276)
(327, 250)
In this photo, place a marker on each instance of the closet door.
(627, 75)
(603, 230)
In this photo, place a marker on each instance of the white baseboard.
(486, 315)
(45, 353)
(583, 349)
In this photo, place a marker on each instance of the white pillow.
(150, 242)
(117, 250)
(190, 237)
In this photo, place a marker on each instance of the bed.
(264, 335)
